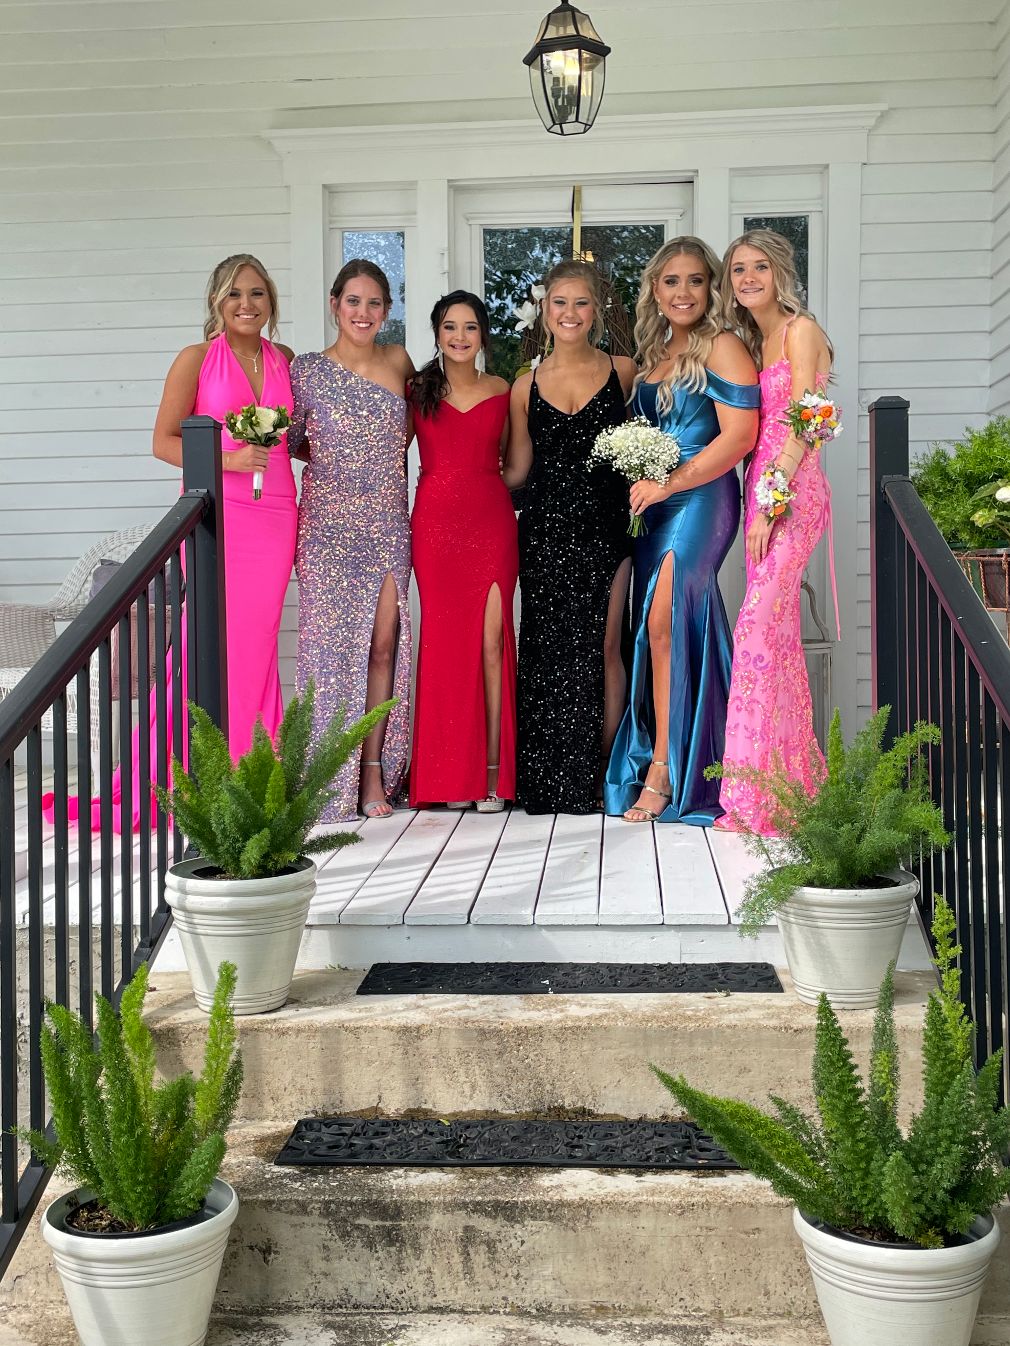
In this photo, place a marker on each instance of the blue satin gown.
(697, 527)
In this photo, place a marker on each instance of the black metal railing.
(938, 656)
(58, 882)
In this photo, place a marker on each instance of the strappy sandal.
(652, 815)
(371, 807)
(491, 803)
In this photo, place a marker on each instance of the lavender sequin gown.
(353, 531)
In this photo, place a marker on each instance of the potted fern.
(897, 1226)
(832, 873)
(246, 895)
(139, 1241)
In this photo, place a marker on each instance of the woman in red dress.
(466, 562)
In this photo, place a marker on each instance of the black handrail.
(188, 537)
(938, 656)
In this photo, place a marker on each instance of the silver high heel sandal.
(491, 803)
(370, 808)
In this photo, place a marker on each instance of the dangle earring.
(440, 357)
(480, 362)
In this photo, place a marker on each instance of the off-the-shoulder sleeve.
(299, 391)
(747, 396)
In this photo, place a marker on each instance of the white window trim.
(705, 146)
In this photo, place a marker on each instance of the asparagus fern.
(850, 1166)
(251, 819)
(148, 1150)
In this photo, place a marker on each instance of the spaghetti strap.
(613, 367)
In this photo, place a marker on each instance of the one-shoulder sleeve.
(299, 390)
(747, 396)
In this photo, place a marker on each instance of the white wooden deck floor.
(592, 886)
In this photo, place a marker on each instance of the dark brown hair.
(429, 385)
(361, 266)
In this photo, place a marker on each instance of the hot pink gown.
(259, 549)
(770, 714)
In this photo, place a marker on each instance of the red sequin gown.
(463, 542)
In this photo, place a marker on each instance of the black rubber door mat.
(573, 978)
(493, 1142)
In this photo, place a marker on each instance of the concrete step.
(330, 1051)
(436, 1329)
(479, 1241)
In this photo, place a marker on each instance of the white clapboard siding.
(1000, 324)
(512, 884)
(692, 894)
(629, 879)
(388, 891)
(570, 887)
(450, 890)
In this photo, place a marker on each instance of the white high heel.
(491, 803)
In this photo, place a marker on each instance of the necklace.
(253, 359)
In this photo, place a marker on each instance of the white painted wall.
(133, 156)
(1000, 314)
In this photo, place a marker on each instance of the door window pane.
(515, 259)
(797, 229)
(384, 247)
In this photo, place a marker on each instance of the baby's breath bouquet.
(639, 451)
(258, 425)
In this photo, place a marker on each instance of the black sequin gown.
(572, 539)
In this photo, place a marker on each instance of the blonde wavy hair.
(652, 331)
(788, 291)
(220, 285)
(588, 274)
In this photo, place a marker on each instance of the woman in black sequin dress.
(574, 553)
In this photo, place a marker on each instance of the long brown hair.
(222, 280)
(429, 385)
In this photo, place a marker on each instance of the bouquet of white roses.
(639, 451)
(258, 425)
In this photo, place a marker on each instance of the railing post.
(201, 471)
(888, 458)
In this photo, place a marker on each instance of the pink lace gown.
(770, 714)
(259, 550)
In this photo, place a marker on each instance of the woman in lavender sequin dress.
(353, 553)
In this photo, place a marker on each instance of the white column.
(712, 207)
(427, 259)
(841, 320)
(309, 283)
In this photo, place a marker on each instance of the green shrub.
(949, 477)
(850, 1166)
(872, 809)
(251, 818)
(149, 1151)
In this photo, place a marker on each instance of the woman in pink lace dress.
(769, 716)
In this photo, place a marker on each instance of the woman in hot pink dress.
(769, 717)
(233, 366)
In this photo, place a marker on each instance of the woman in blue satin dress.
(699, 384)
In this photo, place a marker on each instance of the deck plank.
(570, 888)
(343, 872)
(388, 891)
(629, 881)
(508, 895)
(448, 893)
(692, 894)
(734, 865)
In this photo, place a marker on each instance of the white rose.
(538, 292)
(264, 420)
(527, 315)
(1003, 494)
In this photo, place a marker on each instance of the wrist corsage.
(813, 420)
(773, 493)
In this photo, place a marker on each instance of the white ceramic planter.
(155, 1288)
(840, 940)
(256, 924)
(883, 1296)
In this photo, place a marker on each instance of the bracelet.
(773, 493)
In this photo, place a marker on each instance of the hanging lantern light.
(567, 67)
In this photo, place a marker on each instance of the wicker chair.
(28, 629)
